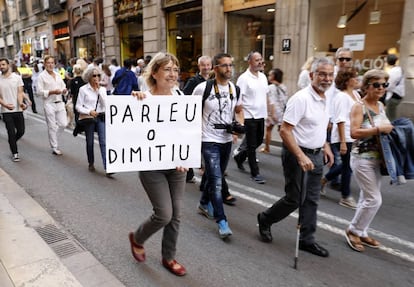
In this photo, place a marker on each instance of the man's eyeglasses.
(225, 65)
(343, 59)
(378, 85)
(96, 75)
(325, 75)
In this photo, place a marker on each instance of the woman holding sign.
(91, 107)
(165, 188)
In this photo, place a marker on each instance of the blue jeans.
(343, 169)
(99, 127)
(216, 157)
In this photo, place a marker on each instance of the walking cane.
(302, 194)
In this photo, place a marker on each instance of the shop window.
(36, 5)
(22, 8)
(184, 39)
(5, 16)
(86, 46)
(248, 30)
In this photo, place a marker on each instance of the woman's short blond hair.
(158, 61)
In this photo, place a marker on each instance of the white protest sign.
(156, 133)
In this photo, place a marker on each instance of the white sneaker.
(15, 157)
(348, 202)
(56, 151)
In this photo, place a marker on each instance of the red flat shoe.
(174, 267)
(140, 257)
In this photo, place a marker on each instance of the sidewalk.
(36, 252)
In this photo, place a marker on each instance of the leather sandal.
(137, 250)
(174, 267)
(354, 241)
(370, 242)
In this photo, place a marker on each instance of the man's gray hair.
(320, 62)
(343, 49)
(204, 58)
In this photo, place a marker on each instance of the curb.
(36, 251)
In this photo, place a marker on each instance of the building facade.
(286, 32)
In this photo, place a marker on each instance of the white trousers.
(56, 119)
(367, 175)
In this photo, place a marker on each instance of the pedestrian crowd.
(335, 119)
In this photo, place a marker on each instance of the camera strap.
(217, 94)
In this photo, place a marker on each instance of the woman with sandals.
(368, 121)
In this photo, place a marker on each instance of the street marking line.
(325, 226)
(338, 231)
(328, 216)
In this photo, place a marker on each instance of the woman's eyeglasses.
(378, 85)
(96, 75)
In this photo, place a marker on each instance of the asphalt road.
(99, 212)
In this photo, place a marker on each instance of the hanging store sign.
(354, 42)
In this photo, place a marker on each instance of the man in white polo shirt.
(253, 90)
(303, 132)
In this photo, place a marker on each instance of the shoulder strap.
(209, 85)
(237, 92)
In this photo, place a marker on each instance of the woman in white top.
(276, 102)
(91, 107)
(346, 82)
(165, 188)
(304, 78)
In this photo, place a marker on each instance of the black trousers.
(254, 138)
(15, 128)
(29, 90)
(294, 192)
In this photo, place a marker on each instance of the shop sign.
(286, 45)
(82, 10)
(124, 9)
(61, 32)
(354, 42)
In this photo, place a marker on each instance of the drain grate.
(51, 234)
(60, 242)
